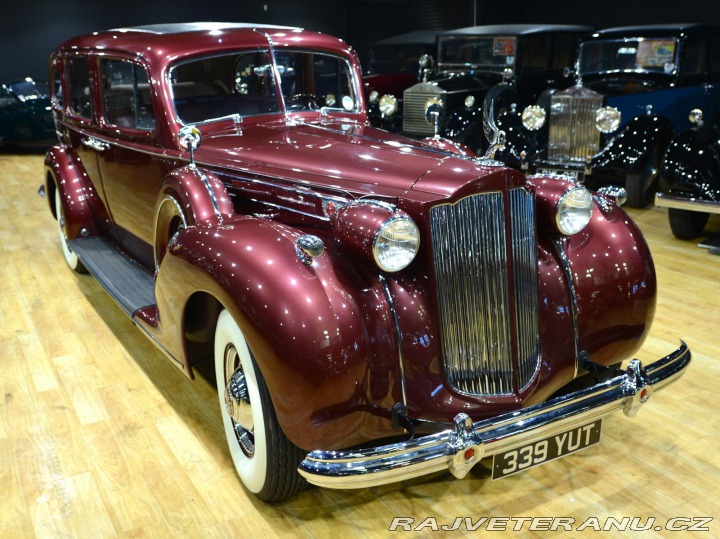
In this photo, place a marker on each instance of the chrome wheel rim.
(237, 401)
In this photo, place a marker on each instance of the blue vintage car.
(635, 88)
(25, 117)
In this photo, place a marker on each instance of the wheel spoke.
(237, 402)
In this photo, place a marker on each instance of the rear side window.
(125, 95)
(79, 82)
(564, 54)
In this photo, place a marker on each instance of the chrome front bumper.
(450, 449)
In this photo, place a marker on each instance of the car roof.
(516, 29)
(163, 43)
(663, 30)
(419, 37)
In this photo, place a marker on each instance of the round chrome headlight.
(533, 117)
(696, 117)
(574, 210)
(373, 97)
(388, 105)
(396, 243)
(607, 119)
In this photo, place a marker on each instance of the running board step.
(130, 285)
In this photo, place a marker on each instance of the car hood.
(347, 157)
(626, 84)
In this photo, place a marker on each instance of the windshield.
(656, 55)
(494, 54)
(27, 89)
(216, 87)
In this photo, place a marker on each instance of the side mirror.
(189, 138)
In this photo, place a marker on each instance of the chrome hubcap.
(237, 402)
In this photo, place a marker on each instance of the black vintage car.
(690, 176)
(393, 64)
(25, 118)
(635, 88)
(471, 61)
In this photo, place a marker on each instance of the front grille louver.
(414, 100)
(573, 135)
(472, 257)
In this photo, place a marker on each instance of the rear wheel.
(264, 458)
(70, 257)
(686, 224)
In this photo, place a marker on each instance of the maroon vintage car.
(377, 308)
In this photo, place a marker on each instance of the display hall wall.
(29, 31)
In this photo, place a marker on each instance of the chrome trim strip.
(205, 181)
(691, 204)
(525, 284)
(446, 450)
(398, 334)
(565, 262)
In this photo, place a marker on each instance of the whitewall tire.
(264, 458)
(70, 257)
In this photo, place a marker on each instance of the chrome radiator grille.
(478, 315)
(414, 99)
(573, 135)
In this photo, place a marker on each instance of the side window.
(715, 56)
(7, 101)
(56, 85)
(564, 53)
(79, 82)
(535, 52)
(694, 59)
(125, 95)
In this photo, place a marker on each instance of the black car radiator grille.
(479, 313)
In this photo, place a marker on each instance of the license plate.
(575, 175)
(551, 448)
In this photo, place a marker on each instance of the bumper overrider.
(458, 449)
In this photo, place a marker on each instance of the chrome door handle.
(95, 144)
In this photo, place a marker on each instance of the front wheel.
(264, 458)
(70, 257)
(641, 187)
(686, 224)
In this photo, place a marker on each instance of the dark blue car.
(635, 89)
(25, 117)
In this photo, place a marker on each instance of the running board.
(128, 283)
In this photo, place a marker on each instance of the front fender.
(614, 282)
(65, 172)
(464, 125)
(631, 148)
(306, 325)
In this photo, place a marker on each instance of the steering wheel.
(305, 101)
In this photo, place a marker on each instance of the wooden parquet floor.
(101, 437)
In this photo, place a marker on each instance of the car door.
(130, 159)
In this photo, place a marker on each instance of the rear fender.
(305, 324)
(65, 173)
